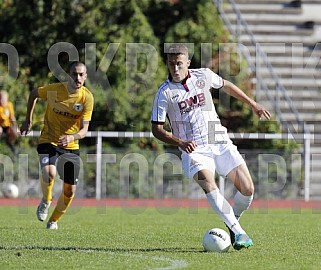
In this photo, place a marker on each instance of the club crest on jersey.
(78, 107)
(200, 83)
(6, 112)
(45, 160)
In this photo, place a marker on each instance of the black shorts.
(67, 161)
(5, 129)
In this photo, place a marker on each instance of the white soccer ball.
(10, 190)
(216, 240)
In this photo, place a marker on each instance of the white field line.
(174, 264)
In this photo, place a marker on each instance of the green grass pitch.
(155, 238)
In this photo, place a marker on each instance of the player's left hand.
(261, 111)
(25, 127)
(65, 140)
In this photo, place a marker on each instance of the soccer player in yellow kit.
(67, 117)
(8, 120)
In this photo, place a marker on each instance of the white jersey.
(190, 109)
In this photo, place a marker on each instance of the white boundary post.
(98, 165)
(307, 160)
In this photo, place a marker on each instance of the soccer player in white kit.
(185, 100)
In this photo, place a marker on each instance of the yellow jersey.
(64, 112)
(6, 114)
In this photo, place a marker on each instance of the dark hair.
(76, 63)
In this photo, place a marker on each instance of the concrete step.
(285, 2)
(286, 50)
(316, 150)
(285, 72)
(300, 92)
(263, 9)
(262, 38)
(276, 30)
(315, 128)
(314, 185)
(317, 142)
(302, 109)
(307, 105)
(316, 157)
(294, 90)
(297, 61)
(285, 47)
(293, 84)
(283, 106)
(300, 81)
(287, 63)
(274, 19)
(314, 178)
(315, 193)
(289, 116)
(261, 2)
(304, 113)
(308, 64)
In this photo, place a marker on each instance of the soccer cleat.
(232, 234)
(242, 241)
(42, 210)
(52, 225)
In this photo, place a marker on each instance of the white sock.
(241, 203)
(224, 210)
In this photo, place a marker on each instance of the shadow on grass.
(105, 250)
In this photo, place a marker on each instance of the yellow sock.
(47, 189)
(61, 208)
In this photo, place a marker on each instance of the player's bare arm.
(163, 135)
(64, 140)
(236, 92)
(27, 124)
(13, 122)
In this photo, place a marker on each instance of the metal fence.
(304, 138)
(99, 158)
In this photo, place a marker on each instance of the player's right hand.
(188, 146)
(25, 127)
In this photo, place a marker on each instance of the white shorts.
(220, 158)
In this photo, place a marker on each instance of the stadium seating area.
(289, 33)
